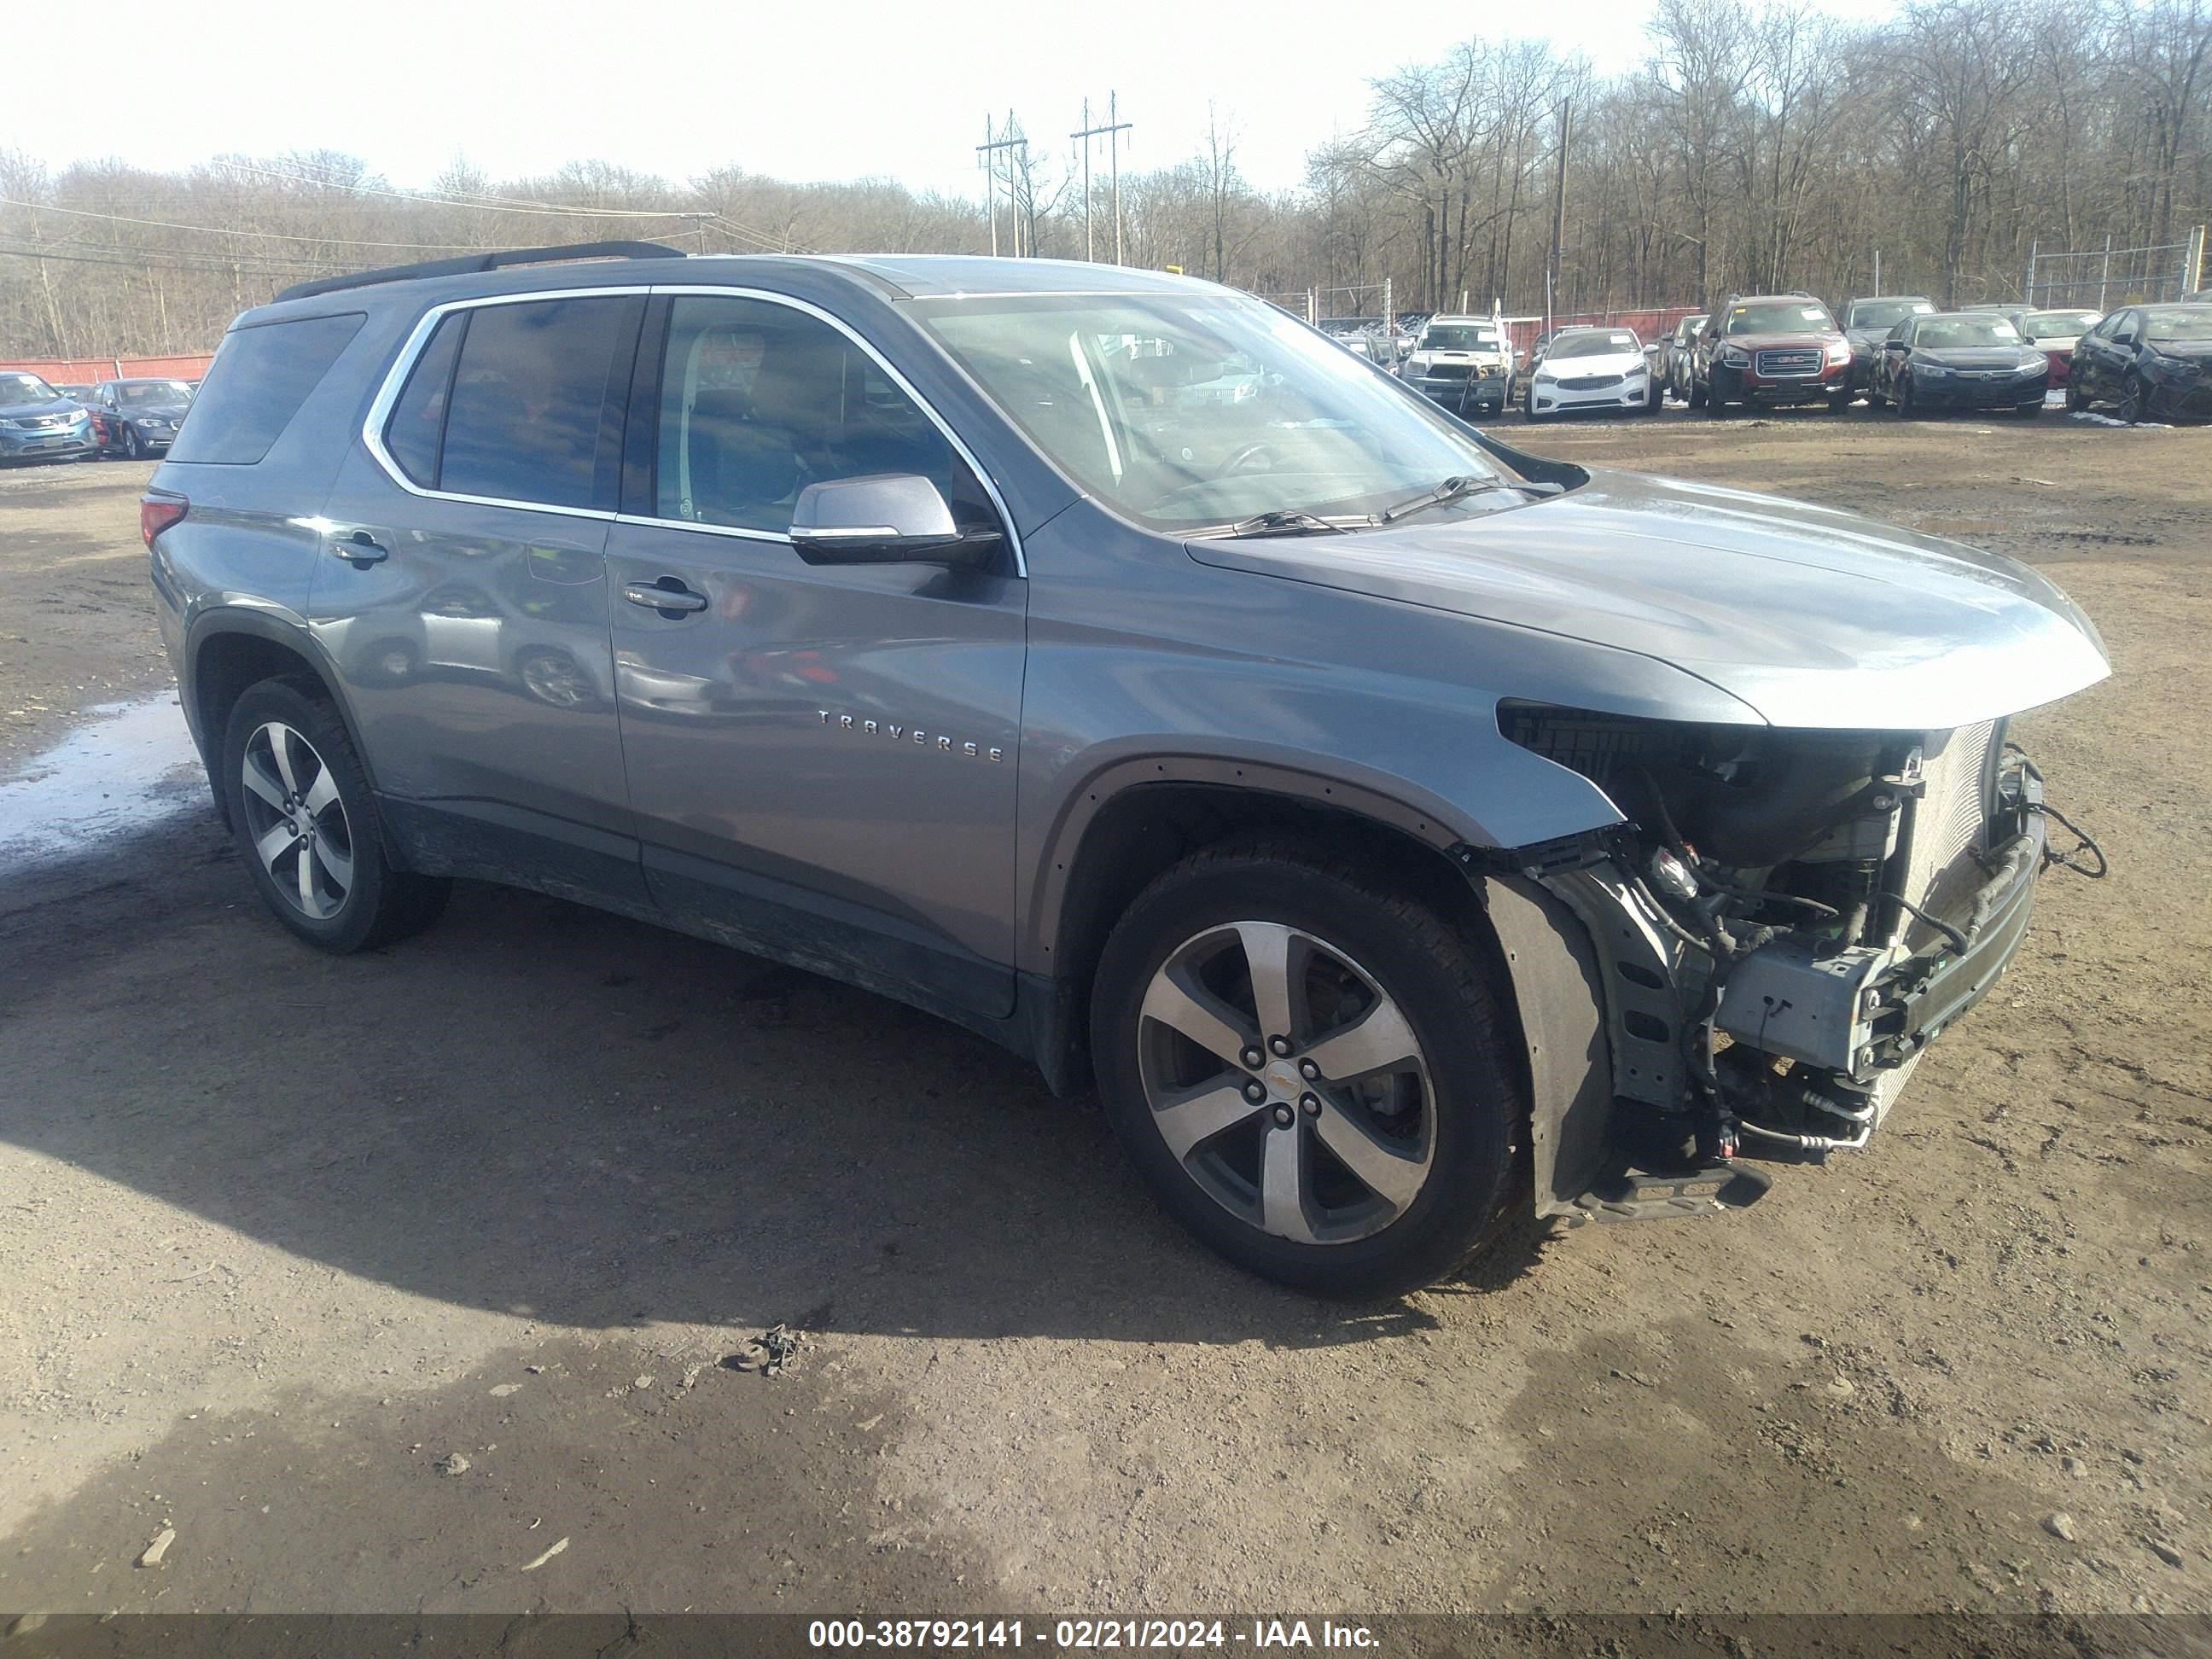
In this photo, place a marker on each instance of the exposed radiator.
(1950, 821)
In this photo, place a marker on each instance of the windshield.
(1143, 431)
(25, 389)
(1967, 331)
(1687, 330)
(2178, 323)
(2057, 325)
(154, 391)
(1598, 342)
(1461, 336)
(1887, 313)
(1778, 317)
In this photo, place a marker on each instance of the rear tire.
(307, 824)
(1399, 1014)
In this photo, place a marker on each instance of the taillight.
(157, 512)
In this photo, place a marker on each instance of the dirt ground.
(281, 1237)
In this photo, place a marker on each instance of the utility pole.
(1559, 211)
(1112, 132)
(987, 152)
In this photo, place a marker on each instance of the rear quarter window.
(259, 378)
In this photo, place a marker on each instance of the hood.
(1613, 362)
(44, 406)
(2001, 357)
(1813, 617)
(1816, 339)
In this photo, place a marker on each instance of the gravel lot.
(284, 1239)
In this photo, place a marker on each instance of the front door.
(462, 593)
(821, 759)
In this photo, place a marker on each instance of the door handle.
(360, 549)
(669, 597)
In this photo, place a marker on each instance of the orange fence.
(83, 371)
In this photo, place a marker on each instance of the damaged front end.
(1781, 925)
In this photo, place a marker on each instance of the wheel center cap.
(1282, 1078)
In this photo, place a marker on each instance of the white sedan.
(1593, 369)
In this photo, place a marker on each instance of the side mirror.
(885, 518)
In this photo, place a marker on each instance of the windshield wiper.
(1283, 521)
(1452, 489)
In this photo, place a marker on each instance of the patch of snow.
(133, 766)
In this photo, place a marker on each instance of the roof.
(934, 275)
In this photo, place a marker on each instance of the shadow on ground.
(542, 1110)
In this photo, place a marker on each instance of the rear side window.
(535, 412)
(259, 378)
(417, 427)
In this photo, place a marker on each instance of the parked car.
(1959, 360)
(75, 391)
(1562, 838)
(1466, 362)
(1673, 365)
(1769, 349)
(1867, 323)
(2153, 361)
(2053, 333)
(1593, 369)
(37, 423)
(138, 417)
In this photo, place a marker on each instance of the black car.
(1867, 323)
(2154, 362)
(1672, 370)
(1959, 360)
(137, 418)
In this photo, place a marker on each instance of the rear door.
(820, 758)
(462, 591)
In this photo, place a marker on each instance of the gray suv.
(1403, 831)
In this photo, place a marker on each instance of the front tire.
(306, 824)
(2133, 399)
(1363, 1148)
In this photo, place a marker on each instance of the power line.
(219, 230)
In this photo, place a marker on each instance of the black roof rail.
(496, 260)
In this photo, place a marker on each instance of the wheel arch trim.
(277, 628)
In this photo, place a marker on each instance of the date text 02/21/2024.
(1086, 1634)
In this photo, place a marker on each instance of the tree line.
(1762, 145)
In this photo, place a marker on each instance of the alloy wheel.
(1287, 1083)
(296, 821)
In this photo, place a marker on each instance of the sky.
(832, 90)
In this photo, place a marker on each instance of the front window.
(1779, 317)
(1461, 336)
(154, 391)
(1952, 332)
(1140, 428)
(1597, 343)
(2178, 323)
(1887, 313)
(25, 389)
